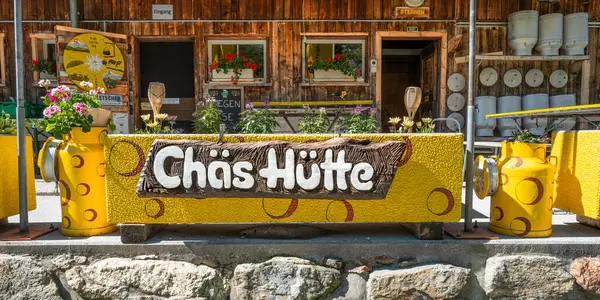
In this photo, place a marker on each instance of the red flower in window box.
(342, 64)
(47, 65)
(233, 63)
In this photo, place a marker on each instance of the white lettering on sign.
(162, 12)
(223, 176)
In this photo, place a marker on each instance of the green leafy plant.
(338, 63)
(360, 122)
(314, 122)
(160, 124)
(7, 125)
(207, 118)
(258, 121)
(526, 136)
(67, 109)
(231, 62)
(425, 126)
(46, 65)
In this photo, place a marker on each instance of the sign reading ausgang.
(336, 169)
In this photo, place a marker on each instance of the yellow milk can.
(521, 185)
(77, 164)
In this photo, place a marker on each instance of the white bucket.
(523, 31)
(562, 101)
(531, 102)
(485, 105)
(550, 37)
(576, 34)
(508, 104)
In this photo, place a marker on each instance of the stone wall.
(193, 277)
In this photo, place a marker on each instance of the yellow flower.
(431, 126)
(152, 125)
(408, 123)
(419, 124)
(146, 118)
(427, 121)
(394, 121)
(161, 117)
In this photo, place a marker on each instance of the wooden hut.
(394, 43)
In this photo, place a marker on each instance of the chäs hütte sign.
(339, 168)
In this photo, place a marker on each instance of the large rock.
(22, 278)
(353, 287)
(587, 274)
(527, 277)
(283, 278)
(120, 278)
(439, 281)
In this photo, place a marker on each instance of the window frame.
(333, 41)
(237, 42)
(2, 60)
(41, 40)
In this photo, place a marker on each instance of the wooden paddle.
(156, 95)
(412, 100)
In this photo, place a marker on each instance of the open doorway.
(410, 59)
(172, 63)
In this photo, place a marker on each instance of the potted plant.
(258, 121)
(360, 121)
(233, 68)
(339, 68)
(312, 122)
(207, 118)
(46, 67)
(9, 181)
(74, 157)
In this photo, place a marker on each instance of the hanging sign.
(93, 58)
(230, 102)
(339, 168)
(411, 13)
(162, 11)
(110, 100)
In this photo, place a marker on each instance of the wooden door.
(429, 76)
(65, 34)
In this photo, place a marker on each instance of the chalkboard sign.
(230, 101)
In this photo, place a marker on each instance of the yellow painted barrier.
(427, 187)
(522, 206)
(9, 179)
(578, 172)
(81, 177)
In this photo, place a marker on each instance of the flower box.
(331, 75)
(46, 75)
(247, 75)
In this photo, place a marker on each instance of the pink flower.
(81, 108)
(51, 111)
(62, 92)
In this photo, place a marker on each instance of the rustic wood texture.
(284, 23)
(383, 157)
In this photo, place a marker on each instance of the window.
(43, 48)
(254, 50)
(323, 50)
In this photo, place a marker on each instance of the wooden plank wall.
(284, 22)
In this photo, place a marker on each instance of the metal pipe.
(21, 151)
(470, 119)
(73, 14)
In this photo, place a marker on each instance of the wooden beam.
(465, 59)
(493, 57)
(79, 30)
(585, 89)
(2, 61)
(334, 34)
(315, 103)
